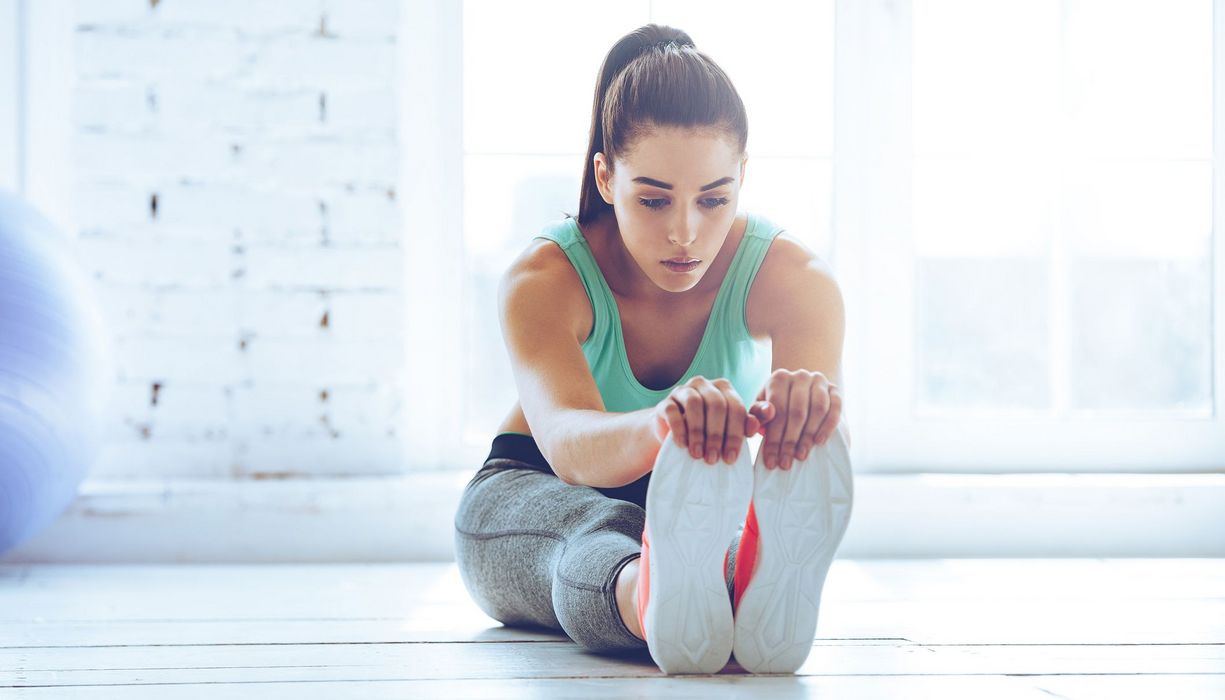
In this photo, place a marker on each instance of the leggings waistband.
(518, 446)
(522, 448)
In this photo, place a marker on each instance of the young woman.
(637, 331)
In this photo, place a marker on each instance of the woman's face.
(674, 195)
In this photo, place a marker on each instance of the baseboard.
(410, 517)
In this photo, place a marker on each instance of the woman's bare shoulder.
(773, 294)
(543, 263)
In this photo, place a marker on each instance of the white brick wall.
(235, 181)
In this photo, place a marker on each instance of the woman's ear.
(602, 176)
(743, 160)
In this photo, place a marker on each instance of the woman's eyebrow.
(659, 183)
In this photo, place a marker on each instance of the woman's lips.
(681, 267)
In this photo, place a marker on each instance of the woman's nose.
(683, 231)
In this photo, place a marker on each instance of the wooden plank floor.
(943, 628)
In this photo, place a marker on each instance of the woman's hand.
(811, 408)
(709, 417)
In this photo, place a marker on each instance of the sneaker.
(693, 511)
(796, 520)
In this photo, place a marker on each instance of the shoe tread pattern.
(693, 510)
(802, 514)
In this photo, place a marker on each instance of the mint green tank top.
(726, 350)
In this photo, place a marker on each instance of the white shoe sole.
(802, 513)
(693, 511)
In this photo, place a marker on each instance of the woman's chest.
(661, 346)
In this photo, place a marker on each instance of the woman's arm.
(604, 449)
(544, 313)
(798, 303)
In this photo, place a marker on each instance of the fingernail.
(804, 454)
(787, 462)
(732, 455)
(712, 456)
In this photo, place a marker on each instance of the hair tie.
(665, 43)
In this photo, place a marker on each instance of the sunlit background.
(296, 214)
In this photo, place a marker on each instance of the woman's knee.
(472, 555)
(592, 619)
(499, 582)
(502, 560)
(613, 515)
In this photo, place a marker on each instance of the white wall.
(235, 177)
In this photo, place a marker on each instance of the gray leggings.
(534, 551)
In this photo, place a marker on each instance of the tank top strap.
(567, 235)
(759, 233)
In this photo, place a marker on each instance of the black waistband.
(523, 448)
(519, 447)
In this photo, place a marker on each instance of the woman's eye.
(709, 202)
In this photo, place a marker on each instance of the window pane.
(795, 193)
(530, 68)
(985, 77)
(1141, 229)
(1138, 77)
(982, 207)
(1140, 338)
(507, 201)
(984, 334)
(509, 198)
(780, 56)
(1067, 146)
(1139, 208)
(1140, 236)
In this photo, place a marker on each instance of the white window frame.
(431, 105)
(36, 64)
(11, 75)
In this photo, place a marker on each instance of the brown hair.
(654, 76)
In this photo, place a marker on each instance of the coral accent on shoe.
(746, 557)
(644, 582)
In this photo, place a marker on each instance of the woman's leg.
(521, 573)
(533, 550)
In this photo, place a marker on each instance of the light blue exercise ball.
(55, 372)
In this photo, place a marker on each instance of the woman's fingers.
(715, 404)
(813, 408)
(733, 440)
(676, 422)
(832, 415)
(806, 409)
(818, 410)
(695, 419)
(777, 392)
(760, 413)
(709, 418)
